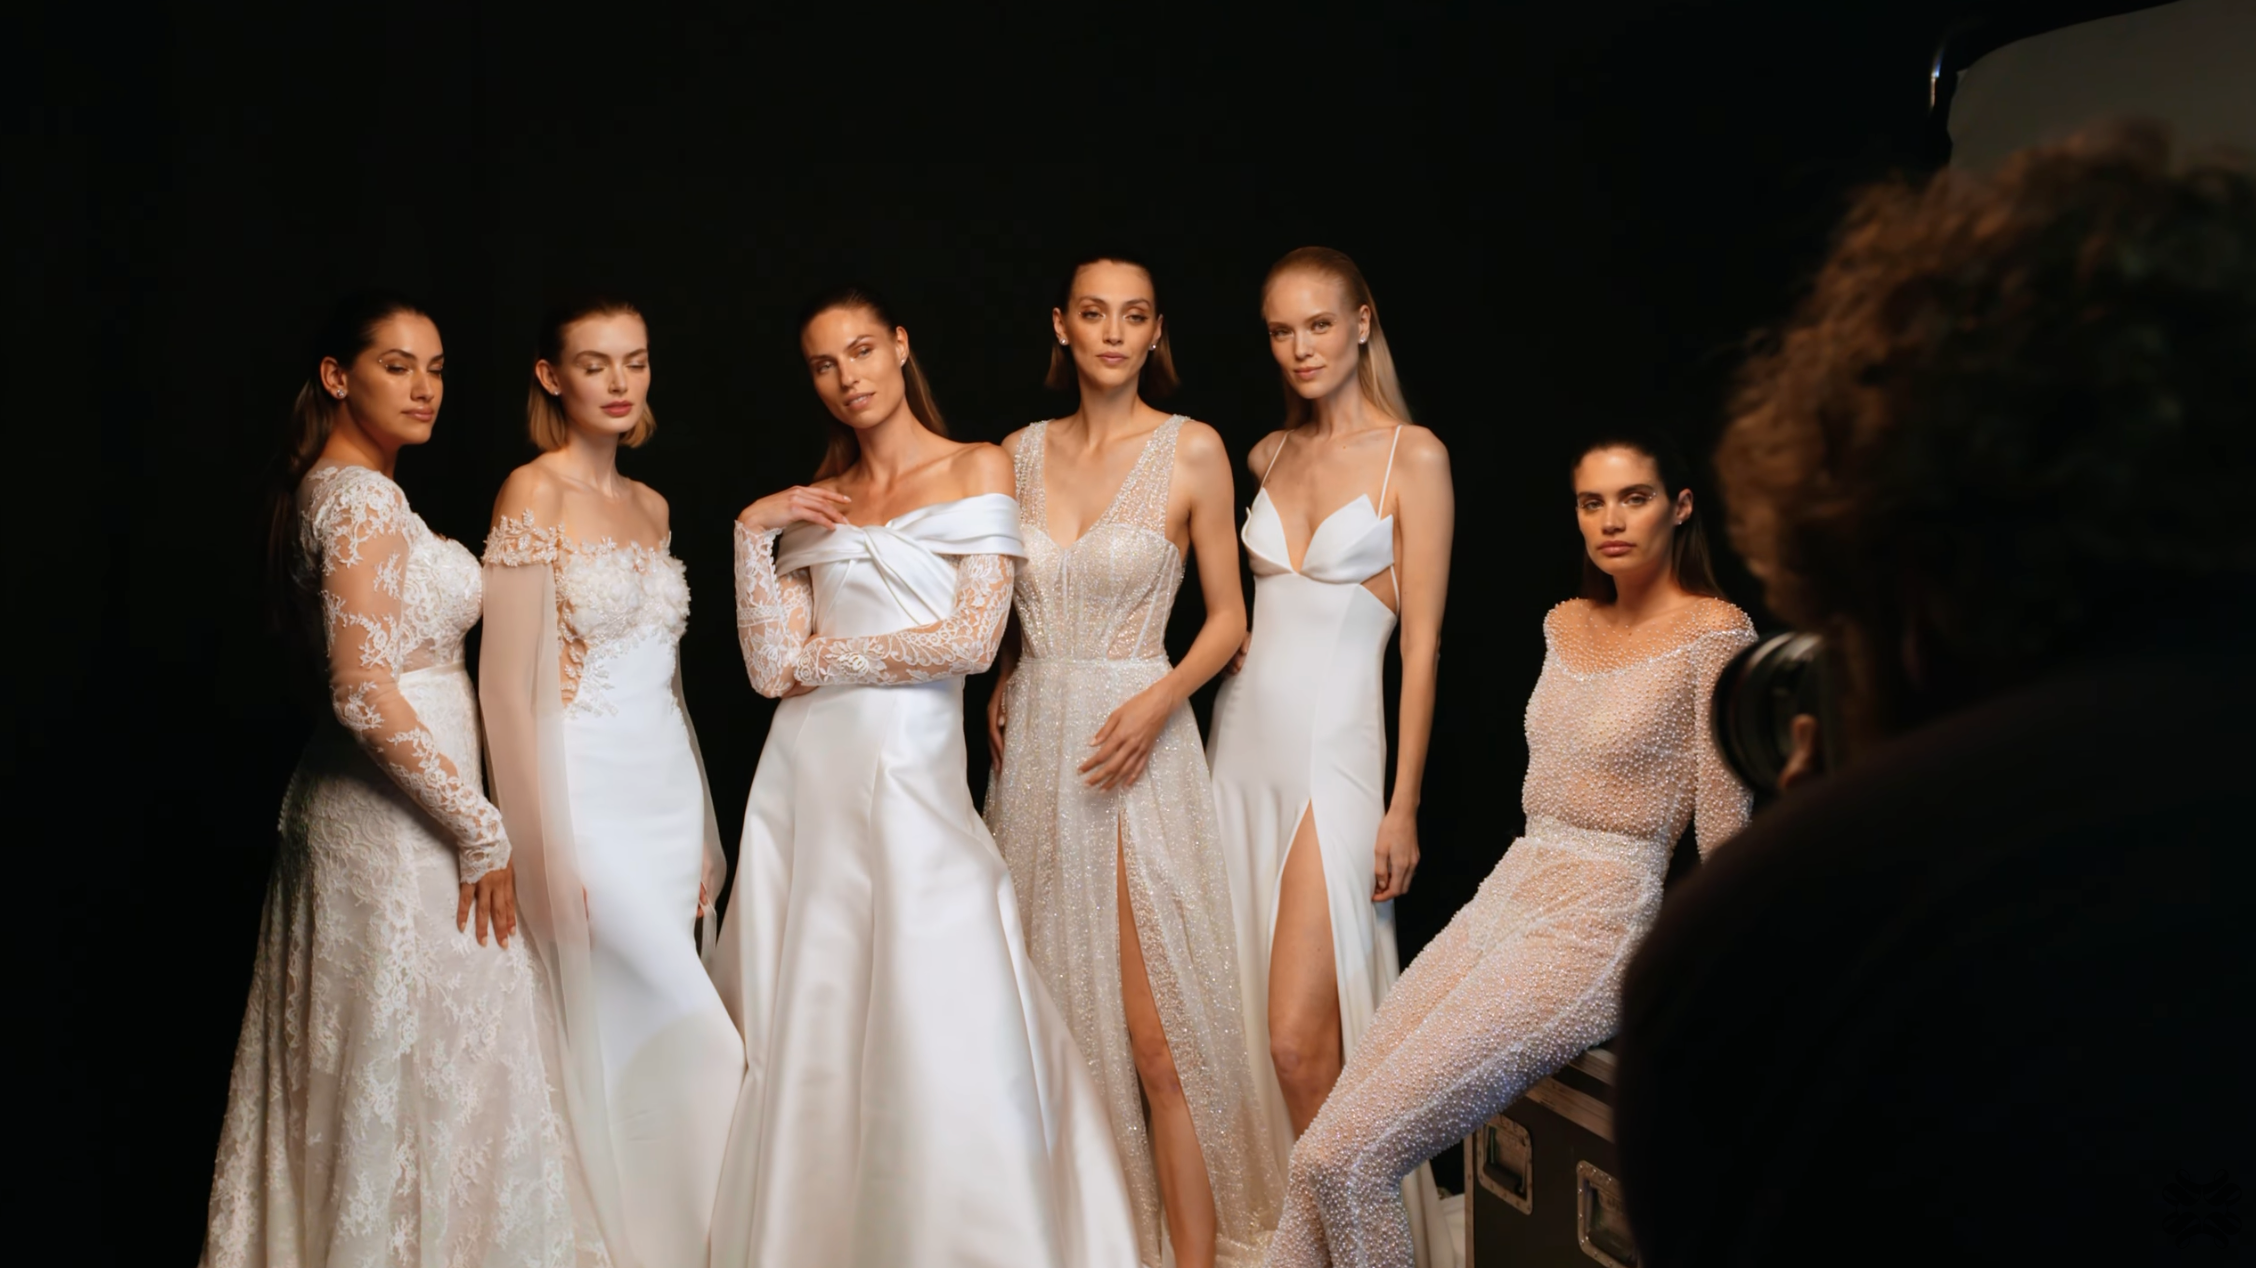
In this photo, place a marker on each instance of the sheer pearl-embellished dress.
(391, 1099)
(1528, 974)
(1092, 618)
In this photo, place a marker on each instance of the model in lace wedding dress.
(1100, 801)
(913, 1099)
(1528, 974)
(390, 1102)
(1317, 851)
(596, 768)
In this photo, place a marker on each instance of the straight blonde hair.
(1374, 365)
(544, 416)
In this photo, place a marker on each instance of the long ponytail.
(844, 450)
(1374, 365)
(348, 331)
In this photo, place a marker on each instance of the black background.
(1571, 215)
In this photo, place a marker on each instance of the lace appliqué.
(774, 614)
(607, 595)
(364, 533)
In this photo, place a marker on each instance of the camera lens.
(1756, 698)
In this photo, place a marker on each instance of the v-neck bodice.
(1106, 596)
(1352, 545)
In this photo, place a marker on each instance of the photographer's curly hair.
(2014, 412)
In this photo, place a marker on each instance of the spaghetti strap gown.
(1092, 615)
(1300, 730)
(912, 1098)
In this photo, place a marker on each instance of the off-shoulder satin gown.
(913, 1098)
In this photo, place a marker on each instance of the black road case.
(1540, 1190)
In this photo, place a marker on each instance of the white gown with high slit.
(1300, 730)
(913, 1098)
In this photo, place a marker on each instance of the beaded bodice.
(1617, 729)
(1106, 595)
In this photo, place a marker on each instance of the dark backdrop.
(1571, 216)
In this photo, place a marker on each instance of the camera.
(1757, 697)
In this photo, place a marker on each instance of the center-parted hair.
(544, 413)
(1689, 560)
(845, 449)
(1374, 365)
(1158, 377)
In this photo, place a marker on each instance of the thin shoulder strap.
(1278, 453)
(1388, 478)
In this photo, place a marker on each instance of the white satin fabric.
(912, 1097)
(1301, 730)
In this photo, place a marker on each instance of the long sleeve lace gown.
(1300, 732)
(913, 1099)
(1528, 974)
(596, 768)
(390, 1102)
(1092, 615)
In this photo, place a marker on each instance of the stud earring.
(1153, 348)
(1061, 343)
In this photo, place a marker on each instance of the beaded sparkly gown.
(1092, 616)
(1528, 974)
(391, 1100)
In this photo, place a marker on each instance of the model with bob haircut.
(913, 1097)
(1348, 536)
(1100, 799)
(1528, 974)
(597, 768)
(391, 1095)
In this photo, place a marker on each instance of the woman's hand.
(1396, 856)
(1237, 661)
(799, 502)
(494, 899)
(1124, 742)
(998, 716)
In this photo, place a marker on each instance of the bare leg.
(1186, 1193)
(1304, 1012)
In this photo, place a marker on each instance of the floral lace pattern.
(774, 614)
(608, 597)
(393, 597)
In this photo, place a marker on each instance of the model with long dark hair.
(1100, 799)
(1528, 974)
(596, 768)
(1349, 536)
(913, 1096)
(390, 1094)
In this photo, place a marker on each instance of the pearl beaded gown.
(390, 1101)
(1528, 974)
(1300, 731)
(596, 767)
(1092, 616)
(913, 1099)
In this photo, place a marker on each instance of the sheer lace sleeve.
(963, 643)
(1720, 803)
(362, 536)
(772, 613)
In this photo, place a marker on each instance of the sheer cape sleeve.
(520, 692)
(1720, 803)
(361, 530)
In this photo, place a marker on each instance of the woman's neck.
(893, 448)
(590, 458)
(1641, 596)
(1106, 413)
(351, 445)
(1341, 412)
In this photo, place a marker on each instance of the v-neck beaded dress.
(1528, 974)
(1300, 729)
(1092, 618)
